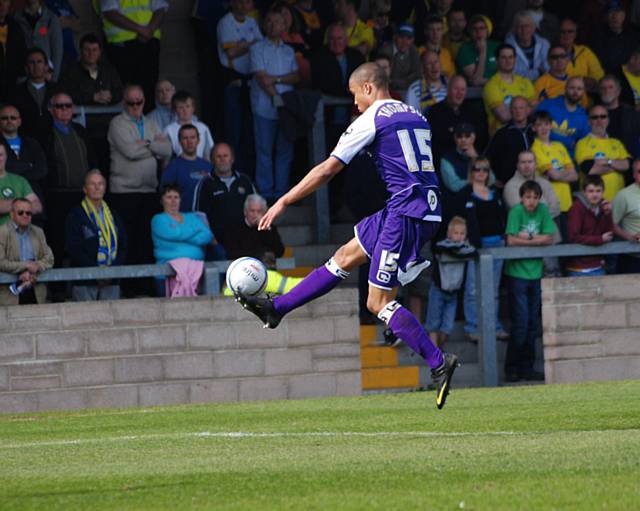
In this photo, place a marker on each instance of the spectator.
(12, 187)
(237, 32)
(136, 146)
(178, 235)
(590, 223)
(246, 240)
(582, 61)
(275, 72)
(455, 36)
(503, 87)
(405, 59)
(70, 156)
(614, 44)
(526, 171)
(626, 220)
(433, 31)
(95, 236)
(292, 37)
(12, 51)
(41, 29)
(484, 212)
(163, 113)
(23, 251)
(331, 67)
(448, 279)
(70, 24)
(546, 22)
(183, 108)
(92, 80)
(629, 75)
(424, 10)
(553, 162)
(570, 121)
(530, 48)
(476, 58)
(426, 92)
(599, 154)
(309, 20)
(624, 120)
(32, 97)
(133, 41)
(379, 22)
(360, 36)
(25, 156)
(221, 195)
(188, 169)
(455, 109)
(529, 224)
(552, 83)
(454, 165)
(509, 141)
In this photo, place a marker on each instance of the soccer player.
(399, 138)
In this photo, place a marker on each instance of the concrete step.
(302, 235)
(295, 215)
(314, 255)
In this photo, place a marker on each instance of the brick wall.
(591, 328)
(148, 352)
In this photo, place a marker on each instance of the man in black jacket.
(221, 196)
(25, 156)
(95, 237)
(12, 52)
(624, 119)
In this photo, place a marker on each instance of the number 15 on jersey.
(422, 143)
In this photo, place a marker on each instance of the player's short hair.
(186, 127)
(455, 221)
(593, 180)
(372, 73)
(530, 186)
(541, 115)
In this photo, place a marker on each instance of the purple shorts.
(393, 244)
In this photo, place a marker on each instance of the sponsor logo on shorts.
(383, 277)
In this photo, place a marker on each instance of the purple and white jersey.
(399, 139)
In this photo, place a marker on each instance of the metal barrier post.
(486, 304)
(317, 154)
(211, 281)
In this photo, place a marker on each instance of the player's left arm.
(316, 177)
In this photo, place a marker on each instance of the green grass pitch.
(574, 447)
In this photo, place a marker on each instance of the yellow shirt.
(361, 33)
(585, 63)
(594, 148)
(497, 92)
(447, 65)
(548, 87)
(554, 156)
(634, 83)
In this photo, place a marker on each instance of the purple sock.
(319, 282)
(408, 328)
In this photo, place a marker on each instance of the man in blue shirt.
(275, 71)
(188, 169)
(570, 121)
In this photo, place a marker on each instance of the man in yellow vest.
(132, 29)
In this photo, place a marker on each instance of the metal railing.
(485, 289)
(212, 273)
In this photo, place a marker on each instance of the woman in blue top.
(177, 234)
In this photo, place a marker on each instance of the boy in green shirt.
(529, 224)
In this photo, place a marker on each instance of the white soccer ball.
(247, 275)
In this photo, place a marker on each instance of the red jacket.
(587, 226)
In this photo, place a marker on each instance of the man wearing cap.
(476, 59)
(405, 59)
(614, 44)
(503, 87)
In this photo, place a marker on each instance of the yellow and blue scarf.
(107, 233)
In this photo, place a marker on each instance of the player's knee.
(375, 304)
